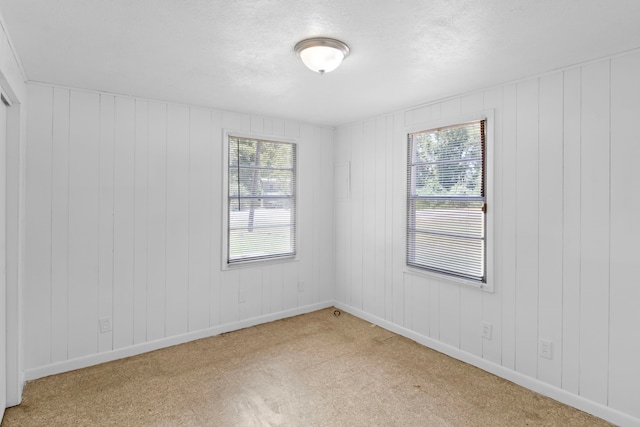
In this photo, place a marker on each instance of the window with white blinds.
(446, 204)
(261, 205)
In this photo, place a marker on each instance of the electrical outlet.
(105, 325)
(546, 349)
(486, 330)
(300, 286)
(242, 297)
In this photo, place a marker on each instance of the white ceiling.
(238, 54)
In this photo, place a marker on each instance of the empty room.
(319, 213)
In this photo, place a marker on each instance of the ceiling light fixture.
(321, 54)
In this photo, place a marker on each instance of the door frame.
(15, 190)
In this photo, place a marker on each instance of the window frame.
(225, 264)
(461, 119)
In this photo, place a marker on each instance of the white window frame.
(487, 115)
(225, 265)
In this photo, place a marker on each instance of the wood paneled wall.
(566, 234)
(123, 220)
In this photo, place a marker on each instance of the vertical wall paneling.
(156, 221)
(509, 237)
(357, 212)
(257, 124)
(289, 285)
(124, 236)
(420, 305)
(274, 276)
(215, 245)
(470, 320)
(527, 228)
(571, 232)
(388, 218)
(83, 223)
(343, 216)
(449, 321)
(123, 213)
(317, 218)
(407, 305)
(470, 104)
(278, 127)
(140, 224)
(594, 232)
(379, 209)
(326, 240)
(289, 129)
(564, 236)
(624, 343)
(230, 295)
(305, 200)
(398, 203)
(245, 122)
(200, 218)
(250, 292)
(492, 302)
(106, 220)
(550, 225)
(37, 267)
(368, 215)
(230, 121)
(59, 225)
(340, 172)
(177, 219)
(434, 308)
(450, 108)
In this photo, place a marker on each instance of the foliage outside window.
(446, 212)
(261, 222)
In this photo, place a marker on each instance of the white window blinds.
(446, 201)
(261, 199)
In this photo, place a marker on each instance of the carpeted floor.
(311, 370)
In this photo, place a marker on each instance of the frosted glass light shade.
(322, 55)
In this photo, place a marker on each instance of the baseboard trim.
(594, 408)
(96, 359)
(578, 402)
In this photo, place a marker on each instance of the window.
(261, 199)
(446, 201)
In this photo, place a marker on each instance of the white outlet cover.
(546, 349)
(105, 325)
(486, 330)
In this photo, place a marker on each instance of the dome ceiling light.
(321, 54)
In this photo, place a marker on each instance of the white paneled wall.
(566, 212)
(123, 220)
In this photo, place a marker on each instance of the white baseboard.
(95, 359)
(593, 408)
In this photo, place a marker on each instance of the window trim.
(487, 115)
(224, 250)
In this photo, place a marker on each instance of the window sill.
(451, 279)
(258, 262)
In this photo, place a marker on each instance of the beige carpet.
(311, 370)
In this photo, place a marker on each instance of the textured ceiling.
(238, 54)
